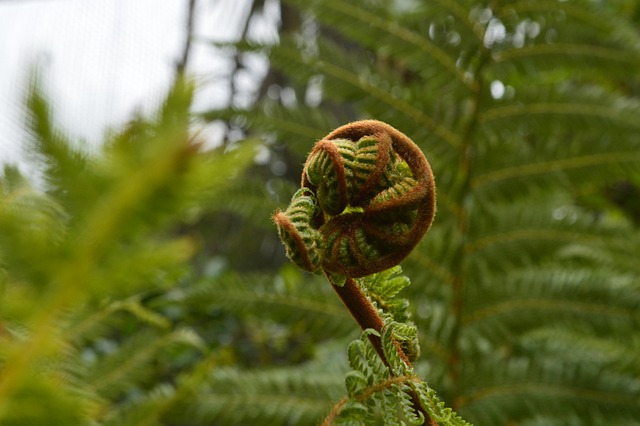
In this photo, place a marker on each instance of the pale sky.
(102, 60)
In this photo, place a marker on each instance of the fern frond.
(147, 409)
(108, 232)
(295, 395)
(376, 27)
(348, 81)
(33, 228)
(114, 373)
(63, 163)
(580, 391)
(293, 298)
(374, 395)
(522, 299)
(39, 401)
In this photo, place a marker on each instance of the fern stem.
(367, 317)
(365, 314)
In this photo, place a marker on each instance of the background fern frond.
(526, 111)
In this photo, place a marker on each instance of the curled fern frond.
(367, 198)
(375, 197)
(301, 240)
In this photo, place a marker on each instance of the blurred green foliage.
(86, 251)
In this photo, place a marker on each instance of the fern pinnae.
(585, 110)
(365, 87)
(85, 321)
(294, 227)
(609, 26)
(403, 35)
(554, 165)
(110, 377)
(299, 394)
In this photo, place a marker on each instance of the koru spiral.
(367, 197)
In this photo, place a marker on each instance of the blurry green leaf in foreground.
(76, 248)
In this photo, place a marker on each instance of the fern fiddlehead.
(367, 198)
